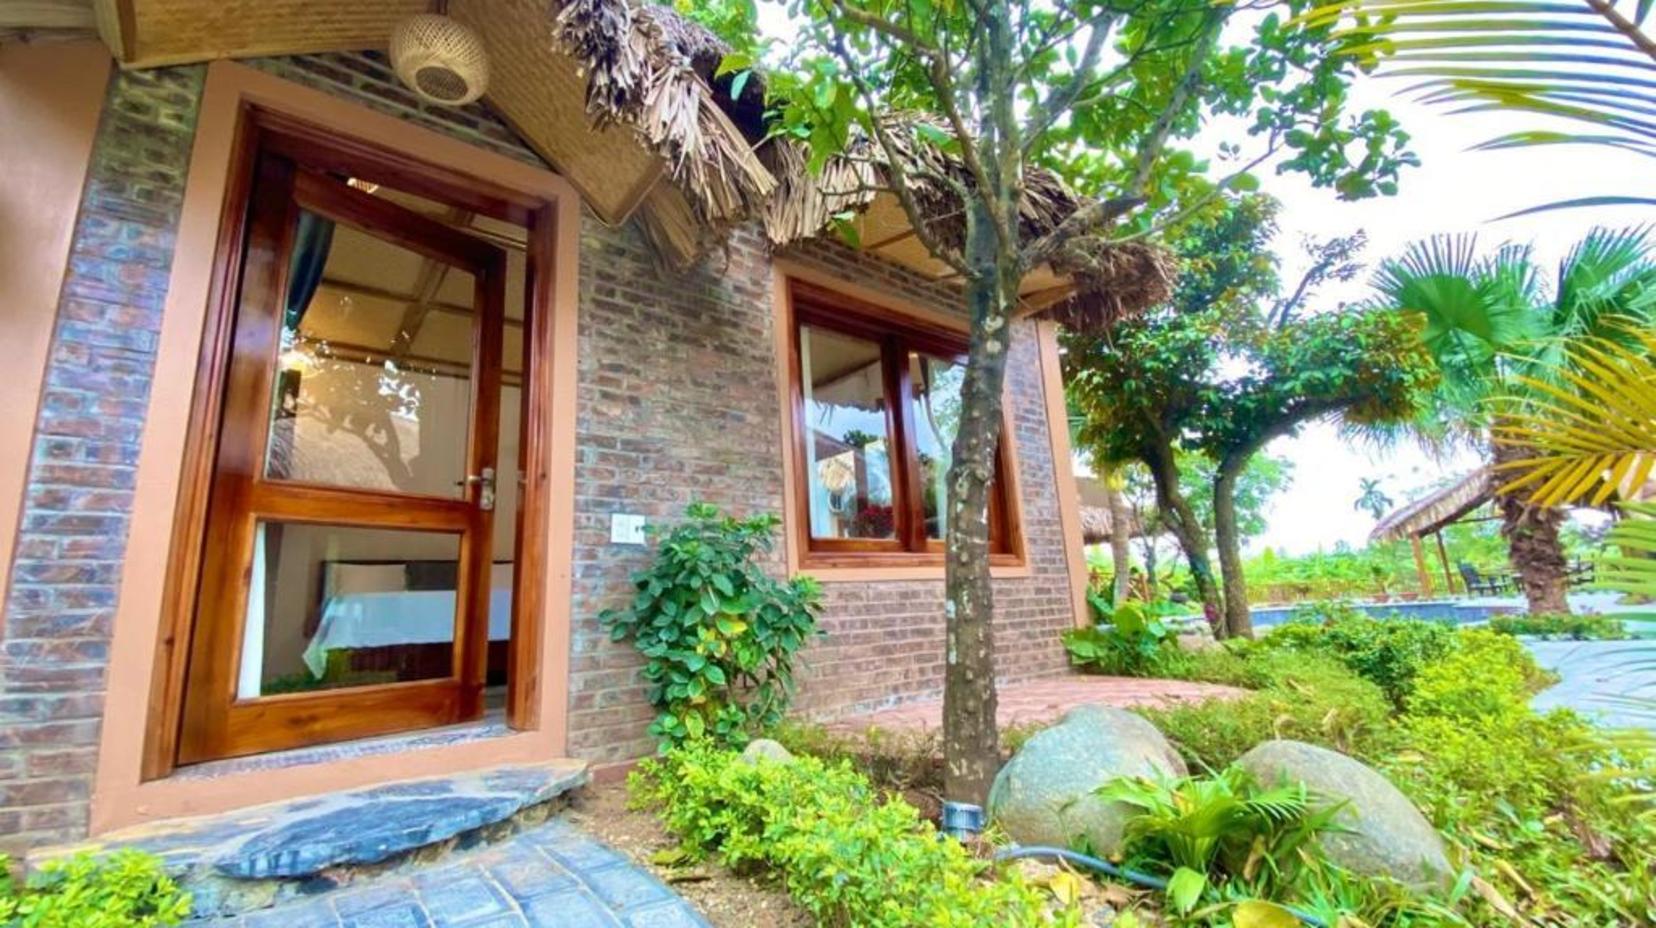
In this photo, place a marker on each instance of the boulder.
(1382, 833)
(768, 749)
(1044, 795)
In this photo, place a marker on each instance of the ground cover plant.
(719, 635)
(126, 889)
(845, 853)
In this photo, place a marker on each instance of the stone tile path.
(551, 876)
(1597, 678)
(1040, 701)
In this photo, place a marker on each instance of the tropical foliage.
(1585, 68)
(1127, 638)
(973, 119)
(718, 634)
(1232, 363)
(1504, 341)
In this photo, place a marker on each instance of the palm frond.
(1588, 432)
(1634, 571)
(1582, 64)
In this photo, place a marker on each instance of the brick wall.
(677, 400)
(72, 532)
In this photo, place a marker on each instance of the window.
(876, 408)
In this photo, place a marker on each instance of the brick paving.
(552, 876)
(1045, 700)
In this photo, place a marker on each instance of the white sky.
(1454, 190)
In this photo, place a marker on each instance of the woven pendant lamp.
(440, 59)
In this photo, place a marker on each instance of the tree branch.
(1063, 97)
(1159, 133)
(1097, 213)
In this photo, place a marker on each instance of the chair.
(1479, 585)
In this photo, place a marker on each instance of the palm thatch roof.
(1436, 510)
(621, 94)
(645, 63)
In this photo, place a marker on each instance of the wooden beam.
(47, 14)
(1443, 556)
(1420, 565)
(117, 25)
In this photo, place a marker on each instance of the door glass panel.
(937, 385)
(848, 458)
(373, 382)
(331, 607)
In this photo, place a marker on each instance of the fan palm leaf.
(1589, 432)
(1583, 64)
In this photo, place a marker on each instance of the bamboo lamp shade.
(440, 59)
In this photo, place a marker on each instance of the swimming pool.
(1455, 612)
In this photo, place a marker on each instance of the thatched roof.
(1436, 510)
(619, 94)
(1106, 281)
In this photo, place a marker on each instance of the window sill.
(851, 568)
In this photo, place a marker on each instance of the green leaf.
(1184, 889)
(715, 673)
(1257, 913)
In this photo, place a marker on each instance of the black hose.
(1120, 873)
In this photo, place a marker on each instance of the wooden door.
(351, 501)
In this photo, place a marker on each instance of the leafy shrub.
(1300, 696)
(1128, 640)
(1389, 652)
(844, 855)
(1573, 627)
(126, 889)
(719, 634)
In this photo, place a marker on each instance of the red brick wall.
(679, 402)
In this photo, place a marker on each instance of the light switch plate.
(626, 529)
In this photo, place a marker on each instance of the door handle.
(485, 482)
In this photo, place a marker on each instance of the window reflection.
(937, 402)
(848, 457)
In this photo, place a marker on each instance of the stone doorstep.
(264, 855)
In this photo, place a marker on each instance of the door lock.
(485, 483)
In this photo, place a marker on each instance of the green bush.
(126, 889)
(846, 855)
(1389, 652)
(1299, 696)
(1129, 640)
(1573, 627)
(719, 634)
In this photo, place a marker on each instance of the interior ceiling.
(536, 89)
(386, 303)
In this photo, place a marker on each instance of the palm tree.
(1585, 67)
(1498, 330)
(1372, 499)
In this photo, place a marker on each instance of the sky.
(1454, 190)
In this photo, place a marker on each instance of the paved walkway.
(552, 876)
(1042, 701)
(1599, 678)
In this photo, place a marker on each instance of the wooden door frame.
(550, 246)
(216, 721)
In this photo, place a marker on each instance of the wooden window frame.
(897, 335)
(316, 147)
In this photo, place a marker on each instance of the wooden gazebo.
(1430, 515)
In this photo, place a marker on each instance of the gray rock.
(1383, 834)
(768, 749)
(1044, 795)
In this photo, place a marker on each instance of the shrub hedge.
(126, 889)
(846, 854)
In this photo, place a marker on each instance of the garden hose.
(1119, 873)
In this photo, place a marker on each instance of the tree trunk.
(971, 738)
(1121, 555)
(1238, 620)
(1181, 521)
(1533, 545)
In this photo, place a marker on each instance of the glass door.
(347, 586)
